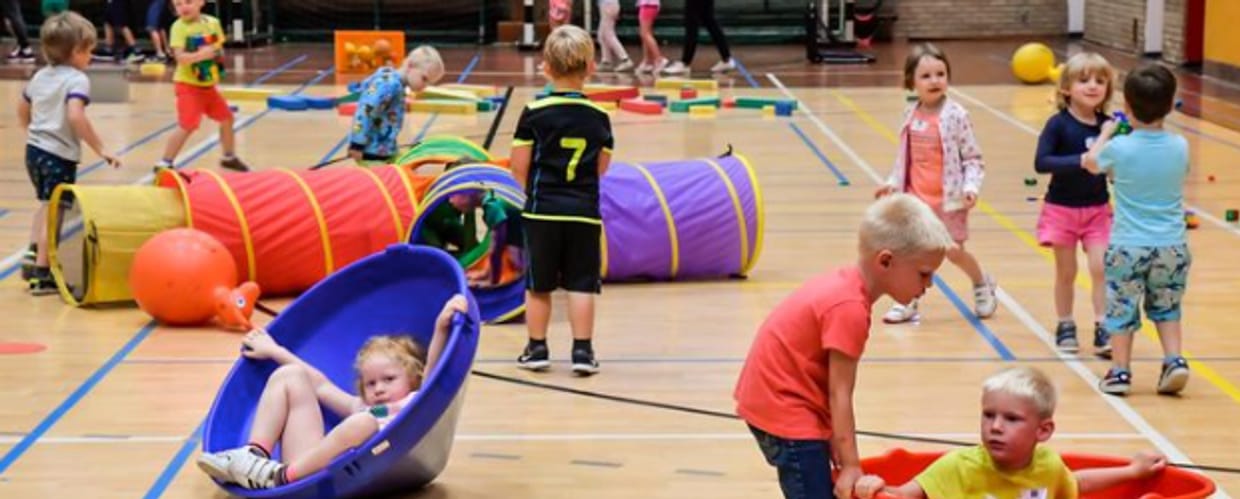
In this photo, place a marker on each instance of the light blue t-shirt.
(1148, 167)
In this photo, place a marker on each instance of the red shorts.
(193, 102)
(1066, 225)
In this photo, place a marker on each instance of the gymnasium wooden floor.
(113, 406)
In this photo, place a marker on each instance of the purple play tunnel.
(688, 219)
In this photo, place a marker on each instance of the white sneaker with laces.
(984, 302)
(252, 471)
(675, 68)
(900, 314)
(216, 463)
(644, 68)
(723, 66)
(625, 65)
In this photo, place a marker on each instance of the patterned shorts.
(1156, 274)
(47, 171)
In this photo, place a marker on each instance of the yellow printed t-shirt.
(971, 474)
(187, 36)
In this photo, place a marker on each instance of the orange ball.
(175, 274)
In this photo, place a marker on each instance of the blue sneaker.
(1065, 337)
(1102, 342)
(1118, 381)
(1174, 376)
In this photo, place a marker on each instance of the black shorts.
(116, 14)
(562, 255)
(47, 171)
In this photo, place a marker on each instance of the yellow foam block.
(448, 94)
(608, 105)
(678, 83)
(152, 69)
(701, 111)
(768, 111)
(442, 106)
(247, 93)
(482, 91)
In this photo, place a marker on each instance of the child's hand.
(457, 303)
(846, 481)
(1147, 463)
(1109, 127)
(885, 190)
(867, 486)
(970, 200)
(111, 160)
(1090, 163)
(259, 345)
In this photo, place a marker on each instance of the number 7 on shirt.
(578, 145)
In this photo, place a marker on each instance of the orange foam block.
(640, 106)
(347, 109)
(612, 93)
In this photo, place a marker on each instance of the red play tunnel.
(288, 229)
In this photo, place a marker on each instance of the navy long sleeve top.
(1060, 146)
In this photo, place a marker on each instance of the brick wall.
(1110, 23)
(1173, 31)
(980, 18)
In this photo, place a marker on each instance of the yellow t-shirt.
(971, 474)
(187, 36)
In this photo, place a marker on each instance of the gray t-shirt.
(48, 94)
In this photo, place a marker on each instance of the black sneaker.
(1118, 381)
(234, 163)
(1102, 342)
(1174, 376)
(1065, 337)
(535, 358)
(28, 259)
(21, 54)
(42, 283)
(584, 363)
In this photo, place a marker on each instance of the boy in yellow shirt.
(1018, 408)
(197, 40)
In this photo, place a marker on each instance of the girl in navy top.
(1077, 208)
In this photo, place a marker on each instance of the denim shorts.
(803, 466)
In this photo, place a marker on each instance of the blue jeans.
(804, 466)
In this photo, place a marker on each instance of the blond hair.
(568, 52)
(1025, 382)
(401, 349)
(919, 52)
(64, 33)
(427, 59)
(904, 225)
(1085, 65)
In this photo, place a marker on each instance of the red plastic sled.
(899, 466)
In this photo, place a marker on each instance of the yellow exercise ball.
(1032, 62)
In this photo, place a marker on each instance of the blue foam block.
(784, 108)
(355, 86)
(287, 102)
(314, 102)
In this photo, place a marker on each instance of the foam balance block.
(287, 102)
(678, 83)
(481, 91)
(442, 106)
(441, 93)
(248, 93)
(346, 109)
(612, 93)
(641, 106)
(317, 102)
(761, 102)
(682, 106)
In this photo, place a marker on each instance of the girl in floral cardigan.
(940, 162)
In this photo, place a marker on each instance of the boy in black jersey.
(561, 148)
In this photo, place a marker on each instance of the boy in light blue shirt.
(1148, 257)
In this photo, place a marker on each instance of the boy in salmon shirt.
(795, 389)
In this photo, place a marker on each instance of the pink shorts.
(957, 223)
(647, 13)
(1066, 225)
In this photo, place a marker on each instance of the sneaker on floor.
(984, 302)
(42, 283)
(1174, 376)
(900, 314)
(216, 464)
(605, 67)
(1065, 337)
(134, 57)
(624, 66)
(644, 68)
(675, 68)
(723, 66)
(21, 54)
(234, 163)
(535, 358)
(28, 258)
(584, 363)
(1102, 342)
(1117, 381)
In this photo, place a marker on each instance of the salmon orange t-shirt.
(926, 158)
(783, 385)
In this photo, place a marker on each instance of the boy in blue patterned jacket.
(380, 114)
